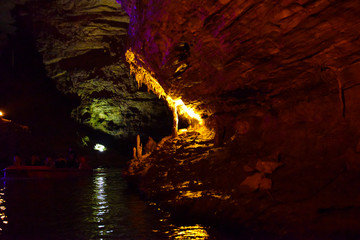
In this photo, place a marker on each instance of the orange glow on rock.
(186, 111)
(146, 77)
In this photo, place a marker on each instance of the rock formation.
(83, 45)
(277, 82)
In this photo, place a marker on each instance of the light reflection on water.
(3, 217)
(96, 207)
(100, 204)
(190, 232)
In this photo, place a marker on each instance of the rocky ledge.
(254, 195)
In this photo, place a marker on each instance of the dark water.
(95, 207)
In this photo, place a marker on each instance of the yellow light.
(191, 194)
(183, 130)
(183, 109)
(178, 102)
(1, 113)
(181, 68)
(190, 232)
(144, 76)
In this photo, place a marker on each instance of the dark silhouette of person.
(60, 162)
(72, 161)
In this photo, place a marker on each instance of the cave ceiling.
(230, 56)
(219, 57)
(82, 44)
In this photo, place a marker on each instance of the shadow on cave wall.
(29, 98)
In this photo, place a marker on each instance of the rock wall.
(226, 55)
(83, 44)
(278, 83)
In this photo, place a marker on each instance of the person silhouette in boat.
(72, 161)
(35, 160)
(83, 163)
(49, 162)
(60, 162)
(17, 160)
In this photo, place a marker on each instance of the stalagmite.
(138, 147)
(137, 151)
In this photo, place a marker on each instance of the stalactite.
(147, 77)
(341, 91)
(175, 122)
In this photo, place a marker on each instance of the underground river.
(99, 206)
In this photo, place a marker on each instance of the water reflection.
(2, 208)
(197, 232)
(100, 202)
(93, 208)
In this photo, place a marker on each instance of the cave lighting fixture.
(1, 114)
(143, 76)
(100, 147)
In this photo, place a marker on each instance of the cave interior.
(236, 113)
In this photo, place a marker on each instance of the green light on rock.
(85, 140)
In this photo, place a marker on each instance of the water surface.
(99, 206)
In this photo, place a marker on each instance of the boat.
(43, 172)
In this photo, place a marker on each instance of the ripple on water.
(95, 207)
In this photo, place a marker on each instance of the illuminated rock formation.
(83, 46)
(224, 56)
(177, 106)
(278, 83)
